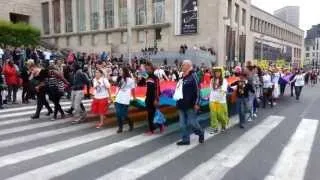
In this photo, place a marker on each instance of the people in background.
(102, 94)
(152, 97)
(188, 104)
(218, 102)
(125, 92)
(298, 83)
(11, 73)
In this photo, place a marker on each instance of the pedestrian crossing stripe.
(294, 158)
(33, 107)
(29, 112)
(41, 135)
(216, 167)
(297, 150)
(55, 147)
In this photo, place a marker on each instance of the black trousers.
(298, 90)
(151, 109)
(42, 101)
(282, 89)
(1, 101)
(25, 92)
(55, 98)
(267, 96)
(292, 87)
(12, 93)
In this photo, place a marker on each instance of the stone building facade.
(28, 11)
(232, 28)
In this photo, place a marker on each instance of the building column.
(62, 17)
(101, 15)
(116, 14)
(88, 15)
(51, 18)
(74, 16)
(149, 12)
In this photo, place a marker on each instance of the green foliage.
(19, 34)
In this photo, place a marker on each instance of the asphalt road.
(281, 144)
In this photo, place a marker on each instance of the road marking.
(294, 158)
(87, 158)
(55, 147)
(42, 135)
(29, 127)
(216, 167)
(12, 121)
(33, 107)
(25, 113)
(147, 163)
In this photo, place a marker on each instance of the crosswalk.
(43, 149)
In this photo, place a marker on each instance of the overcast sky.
(309, 9)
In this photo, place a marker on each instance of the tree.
(19, 34)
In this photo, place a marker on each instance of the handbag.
(159, 118)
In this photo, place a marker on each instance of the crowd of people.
(68, 77)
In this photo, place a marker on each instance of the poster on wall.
(189, 17)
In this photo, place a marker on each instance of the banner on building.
(189, 17)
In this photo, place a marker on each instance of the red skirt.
(99, 106)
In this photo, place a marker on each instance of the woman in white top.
(299, 83)
(126, 87)
(102, 96)
(267, 89)
(218, 102)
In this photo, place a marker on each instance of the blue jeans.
(122, 113)
(242, 109)
(188, 122)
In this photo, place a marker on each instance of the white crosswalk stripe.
(41, 135)
(295, 156)
(291, 163)
(216, 167)
(30, 112)
(33, 107)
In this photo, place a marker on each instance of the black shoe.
(63, 116)
(201, 138)
(241, 126)
(183, 143)
(119, 131)
(223, 130)
(1, 107)
(69, 111)
(35, 117)
(130, 125)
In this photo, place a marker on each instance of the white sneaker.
(255, 115)
(250, 119)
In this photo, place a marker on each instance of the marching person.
(55, 89)
(79, 81)
(11, 73)
(39, 81)
(152, 97)
(218, 102)
(188, 103)
(126, 90)
(267, 89)
(102, 94)
(242, 91)
(298, 83)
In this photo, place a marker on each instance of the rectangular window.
(81, 15)
(237, 13)
(308, 48)
(251, 23)
(244, 17)
(123, 13)
(124, 37)
(158, 34)
(141, 36)
(158, 8)
(45, 18)
(68, 15)
(307, 55)
(109, 13)
(141, 13)
(94, 14)
(56, 16)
